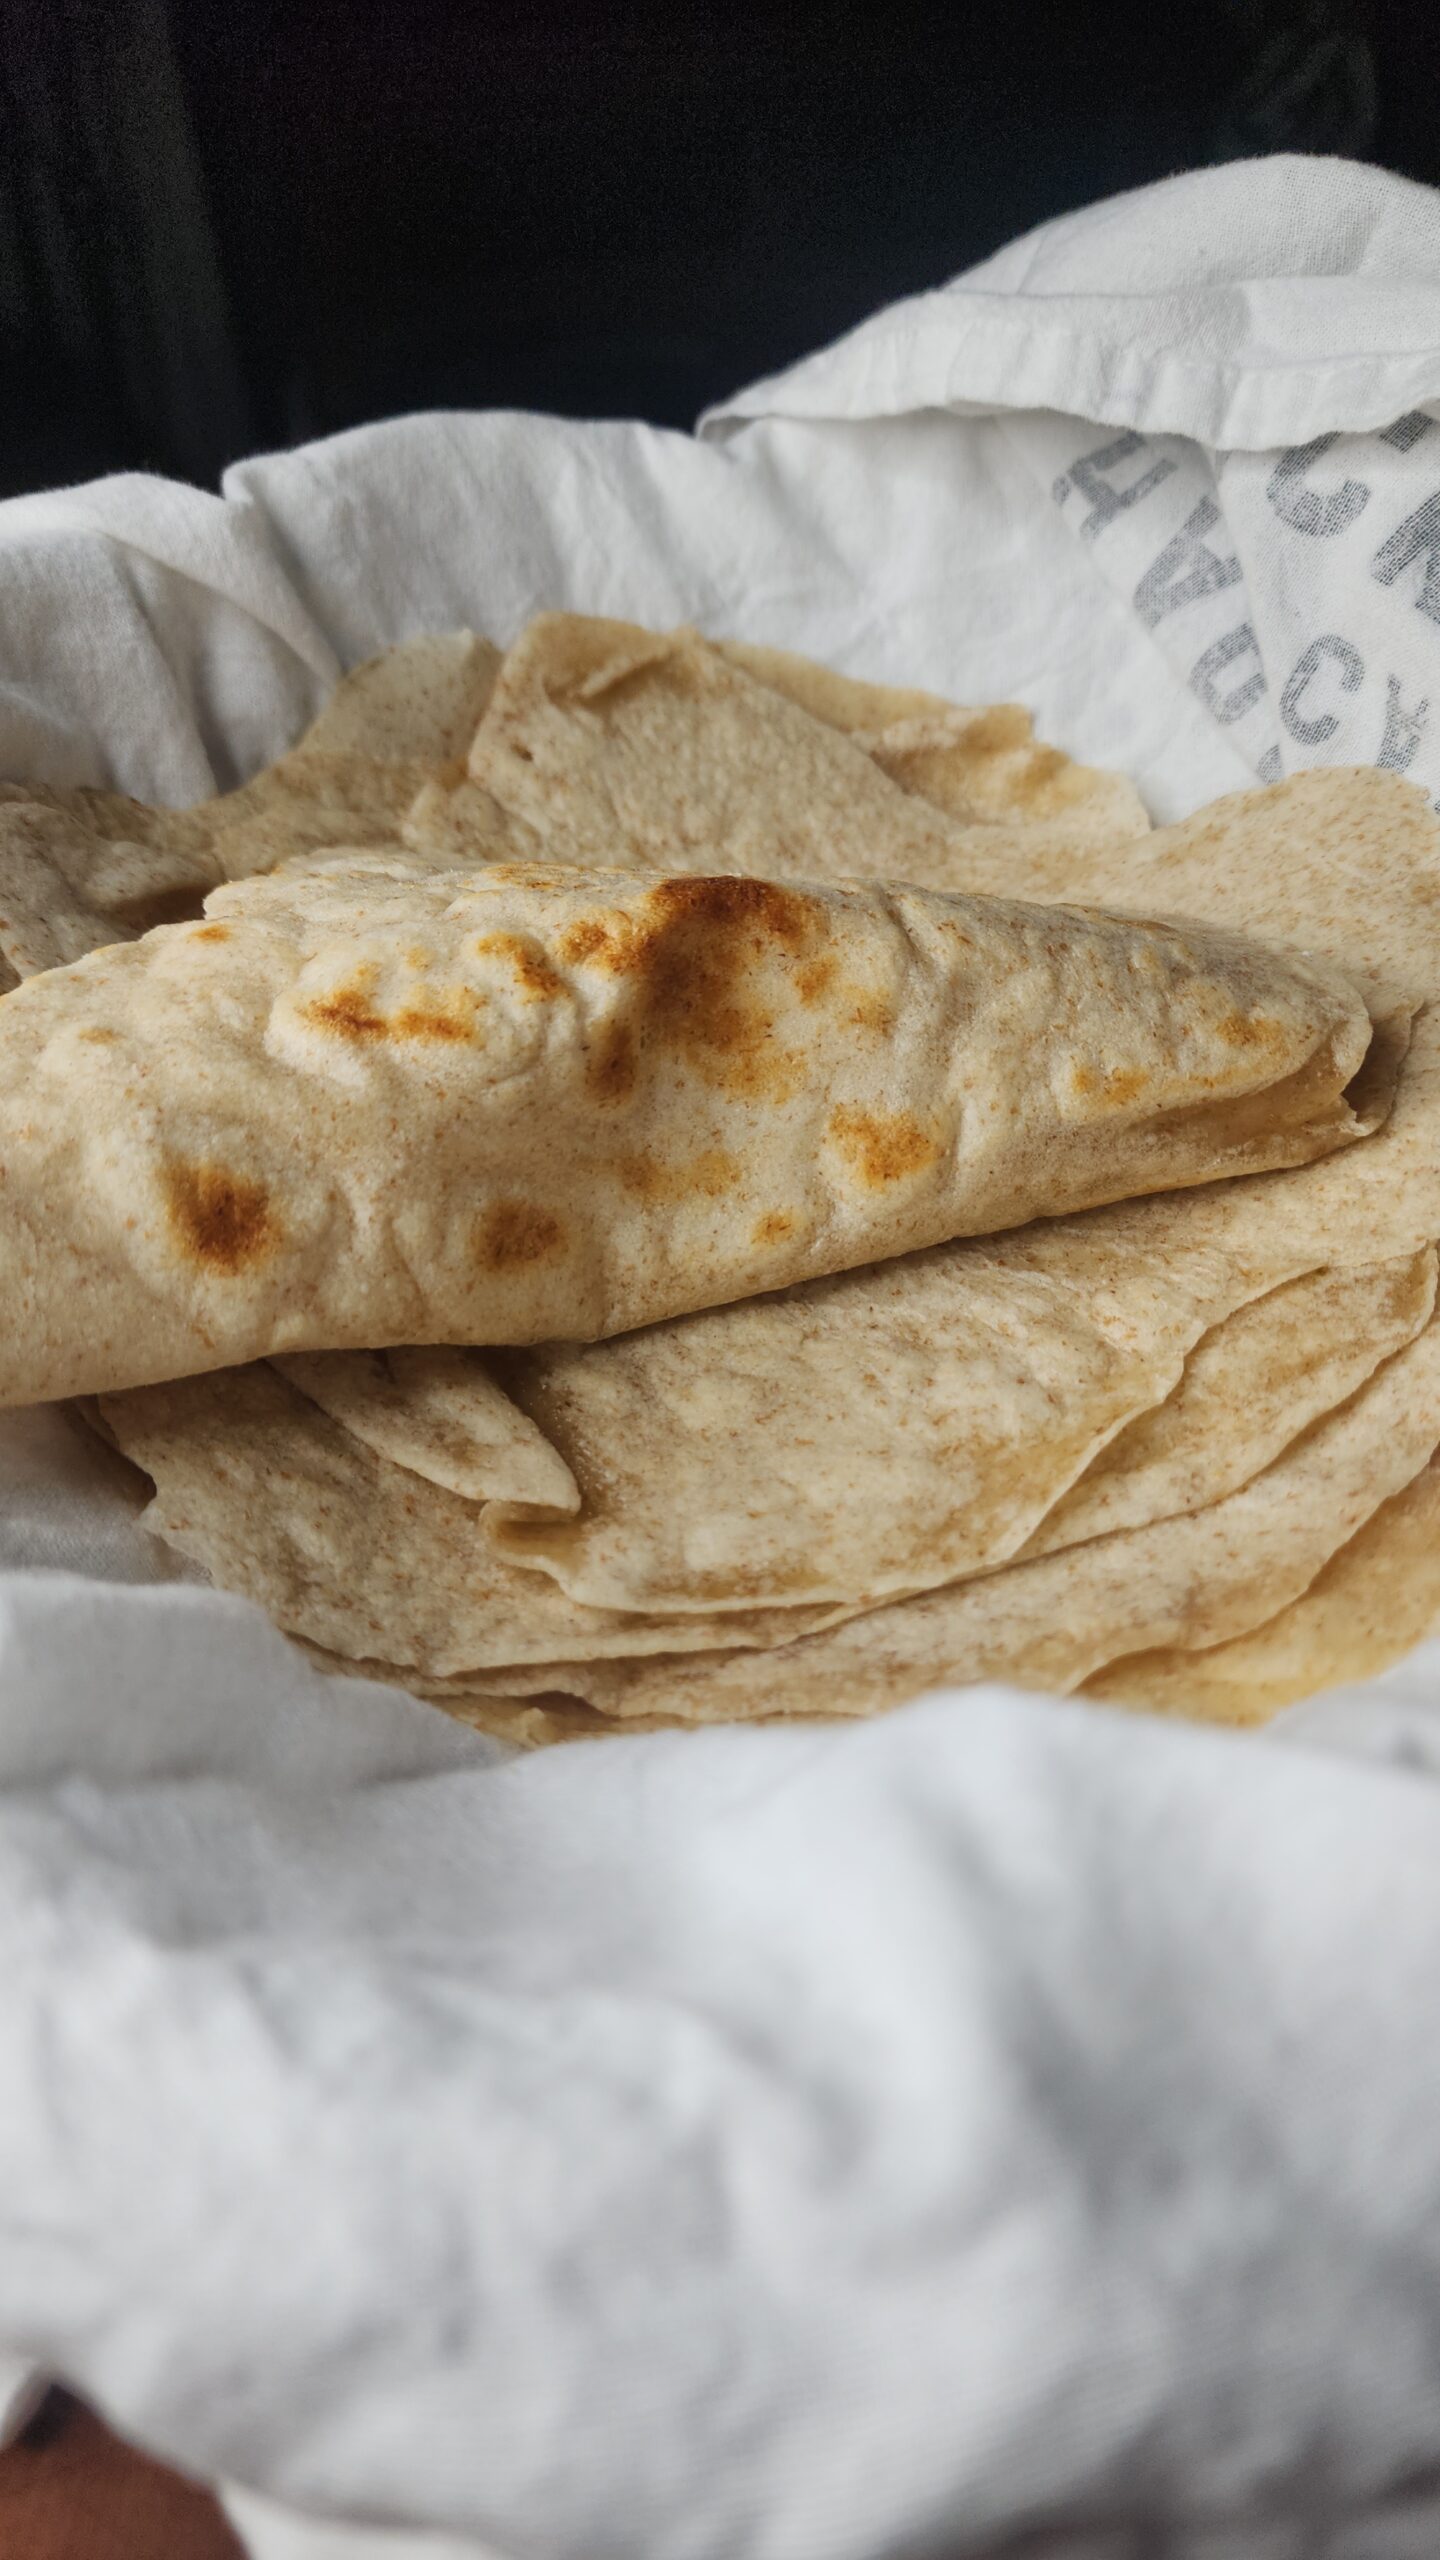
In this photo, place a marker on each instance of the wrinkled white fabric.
(1005, 2123)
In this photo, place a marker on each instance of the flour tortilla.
(606, 742)
(980, 766)
(808, 1447)
(525, 1723)
(1340, 860)
(81, 869)
(1377, 1597)
(1254, 1383)
(440, 1414)
(357, 1110)
(884, 1430)
(878, 1433)
(605, 734)
(277, 1501)
(1052, 1623)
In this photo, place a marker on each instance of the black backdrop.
(228, 226)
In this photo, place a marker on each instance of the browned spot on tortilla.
(224, 1221)
(708, 1175)
(533, 973)
(1116, 1084)
(1249, 1031)
(880, 1146)
(516, 1233)
(97, 1032)
(813, 977)
(774, 1227)
(691, 957)
(873, 1011)
(1122, 1084)
(610, 1063)
(590, 938)
(348, 1011)
(211, 933)
(733, 900)
(453, 1019)
(998, 731)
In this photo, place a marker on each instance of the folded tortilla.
(368, 1106)
(1377, 1597)
(983, 767)
(1185, 1583)
(604, 742)
(1258, 1379)
(347, 1549)
(79, 869)
(746, 1474)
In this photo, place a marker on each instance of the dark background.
(225, 227)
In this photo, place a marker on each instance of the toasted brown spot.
(774, 1227)
(882, 1147)
(759, 904)
(610, 1063)
(515, 1233)
(454, 1019)
(223, 1221)
(708, 1176)
(1123, 1083)
(713, 1173)
(1116, 1085)
(211, 933)
(813, 978)
(97, 1032)
(1250, 1031)
(533, 972)
(348, 1011)
(873, 1012)
(690, 958)
(591, 938)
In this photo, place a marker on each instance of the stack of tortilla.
(645, 1182)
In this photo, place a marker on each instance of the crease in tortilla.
(981, 766)
(606, 742)
(526, 1721)
(1339, 860)
(440, 1414)
(1248, 1388)
(878, 1433)
(1376, 1598)
(82, 869)
(1184, 1583)
(391, 1108)
(604, 733)
(278, 1502)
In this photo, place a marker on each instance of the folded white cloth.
(1005, 2119)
